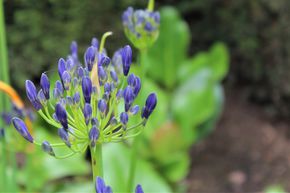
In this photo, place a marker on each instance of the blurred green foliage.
(258, 36)
(190, 96)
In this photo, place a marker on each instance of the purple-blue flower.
(45, 85)
(90, 56)
(87, 89)
(87, 113)
(31, 93)
(46, 147)
(61, 115)
(126, 59)
(94, 135)
(22, 129)
(149, 105)
(63, 134)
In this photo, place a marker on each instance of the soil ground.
(247, 152)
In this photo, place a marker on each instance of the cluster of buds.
(91, 104)
(101, 187)
(141, 26)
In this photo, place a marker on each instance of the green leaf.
(206, 127)
(219, 61)
(275, 189)
(116, 164)
(169, 51)
(192, 65)
(193, 103)
(216, 59)
(178, 167)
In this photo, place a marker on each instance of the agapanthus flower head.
(141, 26)
(101, 187)
(90, 104)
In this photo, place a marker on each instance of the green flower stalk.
(90, 104)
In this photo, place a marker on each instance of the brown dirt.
(246, 153)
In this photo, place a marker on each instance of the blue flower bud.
(31, 93)
(70, 64)
(74, 48)
(22, 129)
(64, 136)
(45, 85)
(95, 43)
(134, 110)
(149, 105)
(102, 75)
(128, 97)
(66, 79)
(124, 118)
(46, 147)
(127, 16)
(90, 56)
(95, 121)
(80, 72)
(107, 87)
(87, 89)
(148, 27)
(114, 76)
(102, 106)
(41, 98)
(155, 16)
(131, 79)
(59, 86)
(126, 59)
(137, 86)
(61, 115)
(94, 135)
(56, 94)
(61, 67)
(87, 111)
(139, 189)
(76, 98)
(103, 60)
(101, 186)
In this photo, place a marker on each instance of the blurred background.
(249, 148)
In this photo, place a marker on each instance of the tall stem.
(143, 64)
(97, 161)
(136, 140)
(3, 100)
(133, 163)
(150, 6)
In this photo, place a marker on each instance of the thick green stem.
(133, 163)
(150, 6)
(97, 161)
(3, 165)
(4, 76)
(143, 64)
